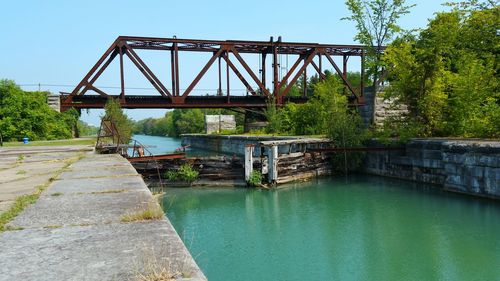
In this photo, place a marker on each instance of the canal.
(340, 228)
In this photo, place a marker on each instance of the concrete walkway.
(23, 169)
(75, 230)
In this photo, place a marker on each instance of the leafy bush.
(184, 173)
(27, 114)
(255, 178)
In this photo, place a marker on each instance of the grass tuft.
(108, 191)
(154, 269)
(21, 202)
(151, 212)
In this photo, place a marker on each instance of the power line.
(110, 87)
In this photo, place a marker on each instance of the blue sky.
(57, 42)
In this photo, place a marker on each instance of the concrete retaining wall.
(236, 144)
(466, 166)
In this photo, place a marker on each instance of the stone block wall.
(383, 108)
(218, 123)
(466, 166)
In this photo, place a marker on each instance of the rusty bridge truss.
(88, 95)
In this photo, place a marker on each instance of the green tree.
(448, 75)
(376, 22)
(123, 124)
(27, 114)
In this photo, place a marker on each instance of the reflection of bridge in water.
(226, 53)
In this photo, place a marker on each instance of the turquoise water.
(164, 145)
(356, 228)
(159, 145)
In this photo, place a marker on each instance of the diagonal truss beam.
(134, 57)
(202, 72)
(238, 74)
(341, 74)
(249, 70)
(307, 61)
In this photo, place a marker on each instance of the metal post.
(275, 72)
(177, 86)
(320, 65)
(219, 91)
(172, 66)
(227, 76)
(304, 90)
(264, 69)
(122, 80)
(273, 164)
(248, 161)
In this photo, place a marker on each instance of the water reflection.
(357, 228)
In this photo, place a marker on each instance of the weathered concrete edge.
(197, 273)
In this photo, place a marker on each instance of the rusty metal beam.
(339, 72)
(202, 72)
(249, 70)
(126, 46)
(145, 70)
(239, 75)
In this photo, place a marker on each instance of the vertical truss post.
(320, 65)
(275, 72)
(177, 85)
(263, 78)
(122, 79)
(219, 90)
(227, 76)
(304, 85)
(172, 67)
(344, 66)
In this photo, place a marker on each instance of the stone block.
(432, 154)
(450, 168)
(489, 161)
(475, 171)
(455, 180)
(401, 160)
(454, 158)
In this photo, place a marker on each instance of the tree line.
(27, 114)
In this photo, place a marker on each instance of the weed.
(21, 172)
(108, 191)
(20, 157)
(21, 202)
(154, 269)
(152, 211)
(52, 226)
(56, 194)
(255, 178)
(184, 173)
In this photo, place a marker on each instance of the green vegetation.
(181, 121)
(255, 178)
(56, 194)
(185, 173)
(21, 202)
(152, 211)
(79, 141)
(108, 191)
(114, 112)
(376, 22)
(18, 206)
(26, 114)
(447, 75)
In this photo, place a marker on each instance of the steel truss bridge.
(87, 95)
